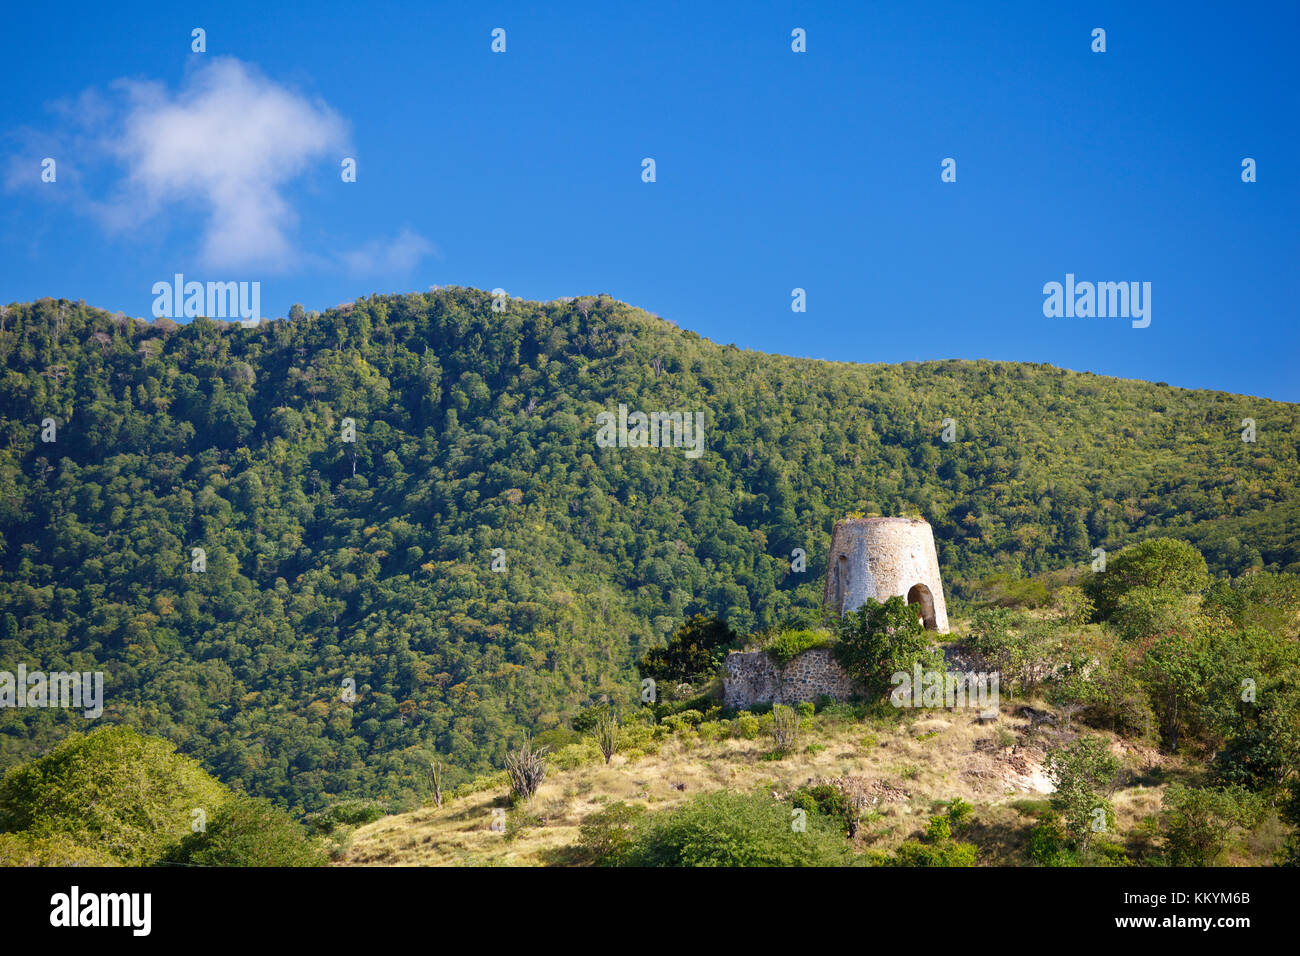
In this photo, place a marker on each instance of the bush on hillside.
(939, 846)
(55, 849)
(606, 835)
(1085, 774)
(733, 829)
(349, 813)
(247, 831)
(788, 645)
(1196, 821)
(878, 640)
(1165, 564)
(693, 654)
(111, 790)
(1261, 598)
(1023, 650)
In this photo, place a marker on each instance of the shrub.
(694, 652)
(746, 725)
(711, 730)
(831, 801)
(574, 755)
(1262, 598)
(526, 768)
(1085, 774)
(636, 732)
(55, 849)
(558, 737)
(1160, 563)
(1196, 822)
(1118, 701)
(878, 640)
(585, 720)
(1049, 844)
(959, 814)
(605, 836)
(1023, 651)
(690, 717)
(247, 831)
(788, 645)
(520, 819)
(349, 813)
(1106, 853)
(731, 829)
(678, 725)
(785, 728)
(939, 848)
(1005, 590)
(696, 703)
(1073, 606)
(113, 791)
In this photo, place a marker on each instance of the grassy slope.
(909, 769)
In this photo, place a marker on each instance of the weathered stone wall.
(882, 557)
(754, 678)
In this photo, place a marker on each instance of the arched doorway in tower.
(920, 596)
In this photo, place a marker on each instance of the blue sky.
(775, 170)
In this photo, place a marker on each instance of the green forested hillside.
(370, 561)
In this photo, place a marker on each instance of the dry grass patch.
(909, 763)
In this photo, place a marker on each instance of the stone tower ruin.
(882, 557)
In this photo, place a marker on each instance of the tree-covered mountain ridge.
(328, 561)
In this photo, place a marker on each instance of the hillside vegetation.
(332, 566)
(1148, 718)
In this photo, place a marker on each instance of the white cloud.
(229, 140)
(388, 256)
(219, 152)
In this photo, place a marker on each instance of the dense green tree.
(247, 831)
(51, 849)
(1159, 565)
(111, 791)
(1085, 774)
(879, 640)
(1196, 821)
(1262, 730)
(695, 651)
(1178, 671)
